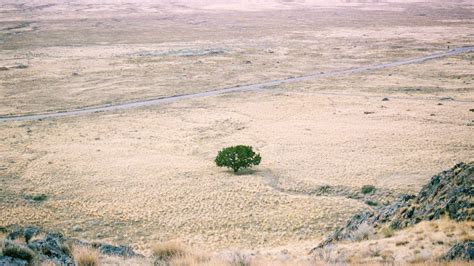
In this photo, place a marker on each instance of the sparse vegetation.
(363, 232)
(14, 250)
(85, 256)
(371, 203)
(368, 189)
(237, 157)
(239, 259)
(167, 251)
(387, 231)
(36, 197)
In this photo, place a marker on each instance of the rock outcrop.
(448, 193)
(28, 245)
(460, 251)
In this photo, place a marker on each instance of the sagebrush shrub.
(368, 189)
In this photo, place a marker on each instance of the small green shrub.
(325, 189)
(237, 157)
(14, 250)
(371, 203)
(368, 189)
(36, 197)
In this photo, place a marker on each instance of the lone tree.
(237, 157)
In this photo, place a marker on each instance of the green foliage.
(14, 250)
(36, 197)
(237, 157)
(371, 203)
(368, 189)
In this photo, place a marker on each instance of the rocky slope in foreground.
(449, 193)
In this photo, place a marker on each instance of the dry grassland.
(145, 176)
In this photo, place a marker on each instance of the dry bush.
(325, 254)
(2, 246)
(121, 261)
(39, 236)
(363, 232)
(14, 250)
(195, 260)
(85, 256)
(239, 259)
(387, 231)
(166, 251)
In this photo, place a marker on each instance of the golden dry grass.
(421, 244)
(95, 61)
(310, 134)
(168, 250)
(84, 256)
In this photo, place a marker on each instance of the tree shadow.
(246, 171)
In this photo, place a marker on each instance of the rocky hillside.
(449, 193)
(32, 245)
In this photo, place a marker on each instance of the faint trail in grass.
(238, 88)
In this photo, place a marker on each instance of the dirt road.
(238, 88)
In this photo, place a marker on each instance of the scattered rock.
(460, 251)
(76, 228)
(124, 251)
(446, 99)
(385, 99)
(51, 247)
(75, 74)
(248, 62)
(448, 193)
(440, 104)
(9, 261)
(368, 113)
(4, 69)
(21, 66)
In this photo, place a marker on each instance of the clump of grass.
(36, 197)
(368, 189)
(67, 248)
(240, 259)
(11, 249)
(85, 256)
(167, 251)
(401, 243)
(195, 260)
(387, 231)
(363, 232)
(371, 203)
(325, 189)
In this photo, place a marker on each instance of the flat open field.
(141, 176)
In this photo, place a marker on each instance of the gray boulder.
(461, 251)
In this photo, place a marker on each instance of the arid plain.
(146, 175)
